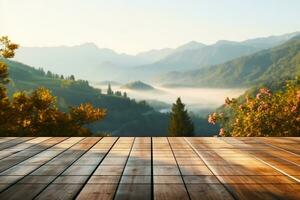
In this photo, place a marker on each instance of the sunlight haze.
(138, 25)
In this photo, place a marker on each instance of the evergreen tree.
(72, 78)
(180, 122)
(109, 90)
(49, 74)
(118, 93)
(42, 71)
(125, 95)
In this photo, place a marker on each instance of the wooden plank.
(7, 139)
(20, 148)
(14, 188)
(133, 191)
(208, 191)
(60, 191)
(243, 190)
(97, 192)
(135, 182)
(21, 157)
(22, 191)
(166, 171)
(14, 142)
(106, 177)
(149, 168)
(135, 179)
(266, 191)
(168, 180)
(167, 191)
(60, 187)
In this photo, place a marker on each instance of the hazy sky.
(132, 26)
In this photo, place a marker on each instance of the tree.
(7, 50)
(125, 95)
(62, 77)
(41, 70)
(49, 74)
(180, 122)
(72, 78)
(109, 90)
(264, 114)
(118, 93)
(36, 113)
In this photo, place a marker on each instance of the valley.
(144, 87)
(198, 100)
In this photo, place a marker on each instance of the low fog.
(196, 99)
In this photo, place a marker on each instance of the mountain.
(154, 55)
(89, 62)
(126, 117)
(86, 61)
(267, 66)
(201, 56)
(138, 85)
(190, 46)
(271, 41)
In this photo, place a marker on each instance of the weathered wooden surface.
(149, 168)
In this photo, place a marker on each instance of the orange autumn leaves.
(36, 114)
(266, 114)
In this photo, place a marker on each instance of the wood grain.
(149, 168)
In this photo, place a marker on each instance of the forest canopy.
(36, 114)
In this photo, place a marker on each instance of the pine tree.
(180, 122)
(118, 93)
(49, 74)
(72, 78)
(109, 90)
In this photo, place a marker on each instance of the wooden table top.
(149, 168)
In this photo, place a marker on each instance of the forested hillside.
(138, 85)
(125, 116)
(267, 66)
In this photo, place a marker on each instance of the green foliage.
(266, 114)
(138, 85)
(180, 122)
(109, 90)
(125, 116)
(37, 114)
(268, 66)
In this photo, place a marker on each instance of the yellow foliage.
(36, 114)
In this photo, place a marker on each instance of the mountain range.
(89, 62)
(270, 65)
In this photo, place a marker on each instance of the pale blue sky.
(132, 26)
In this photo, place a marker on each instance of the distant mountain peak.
(223, 42)
(191, 45)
